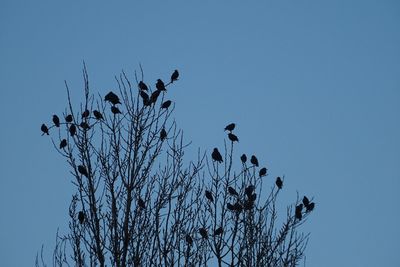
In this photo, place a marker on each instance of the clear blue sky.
(314, 87)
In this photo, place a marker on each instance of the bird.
(209, 195)
(166, 104)
(44, 129)
(97, 115)
(81, 217)
(203, 233)
(310, 207)
(68, 118)
(72, 129)
(189, 239)
(56, 121)
(248, 205)
(160, 85)
(216, 155)
(174, 76)
(163, 134)
(279, 182)
(63, 143)
(233, 137)
(82, 170)
(232, 191)
(144, 95)
(306, 201)
(254, 160)
(154, 96)
(84, 125)
(85, 114)
(238, 207)
(230, 127)
(112, 98)
(249, 190)
(298, 211)
(252, 197)
(243, 158)
(262, 172)
(141, 203)
(218, 231)
(115, 110)
(143, 86)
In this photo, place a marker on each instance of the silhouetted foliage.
(139, 202)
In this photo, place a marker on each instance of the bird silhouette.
(279, 182)
(252, 197)
(249, 190)
(166, 104)
(298, 211)
(144, 95)
(238, 207)
(233, 137)
(174, 76)
(160, 85)
(112, 98)
(63, 143)
(85, 114)
(141, 203)
(163, 134)
(216, 155)
(189, 239)
(306, 201)
(143, 86)
(262, 172)
(248, 205)
(44, 129)
(72, 130)
(154, 96)
(115, 110)
(254, 160)
(203, 233)
(56, 121)
(230, 127)
(68, 118)
(243, 158)
(310, 206)
(232, 191)
(84, 125)
(81, 217)
(218, 231)
(97, 115)
(209, 195)
(82, 170)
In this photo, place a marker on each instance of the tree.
(138, 203)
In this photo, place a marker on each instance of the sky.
(313, 86)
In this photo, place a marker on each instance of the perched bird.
(84, 125)
(252, 197)
(112, 98)
(243, 158)
(216, 155)
(68, 118)
(310, 207)
(82, 170)
(81, 217)
(262, 172)
(146, 102)
(154, 96)
(238, 207)
(56, 121)
(233, 137)
(44, 129)
(144, 95)
(141, 203)
(230, 127)
(189, 239)
(279, 182)
(85, 114)
(209, 195)
(166, 104)
(248, 205)
(203, 233)
(232, 191)
(163, 134)
(63, 143)
(174, 76)
(115, 110)
(160, 85)
(298, 211)
(97, 115)
(143, 86)
(306, 201)
(254, 160)
(218, 231)
(72, 129)
(249, 190)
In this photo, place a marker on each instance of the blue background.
(312, 85)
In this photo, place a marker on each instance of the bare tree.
(139, 202)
